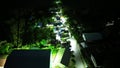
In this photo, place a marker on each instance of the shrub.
(5, 47)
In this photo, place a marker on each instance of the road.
(80, 63)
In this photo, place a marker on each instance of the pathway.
(58, 58)
(80, 63)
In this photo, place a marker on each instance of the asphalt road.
(80, 63)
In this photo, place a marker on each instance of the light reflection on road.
(76, 48)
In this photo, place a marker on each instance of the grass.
(54, 53)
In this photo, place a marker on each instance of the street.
(80, 63)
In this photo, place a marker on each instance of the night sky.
(24, 3)
(93, 6)
(89, 8)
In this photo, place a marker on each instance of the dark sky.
(7, 5)
(79, 3)
(106, 6)
(24, 3)
(109, 7)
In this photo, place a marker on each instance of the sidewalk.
(80, 62)
(58, 58)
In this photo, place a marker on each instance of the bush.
(5, 48)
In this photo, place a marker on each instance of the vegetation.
(28, 33)
(28, 30)
(5, 48)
